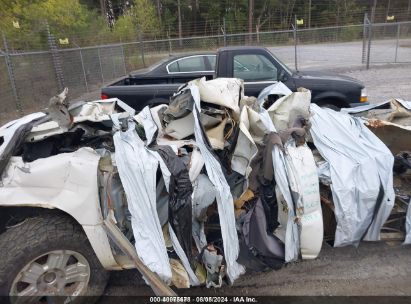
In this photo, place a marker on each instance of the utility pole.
(409, 7)
(250, 19)
(309, 13)
(180, 34)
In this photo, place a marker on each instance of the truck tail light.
(104, 96)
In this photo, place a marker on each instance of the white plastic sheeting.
(404, 103)
(286, 109)
(303, 179)
(221, 91)
(408, 225)
(137, 168)
(277, 88)
(288, 230)
(150, 127)
(224, 198)
(284, 198)
(360, 167)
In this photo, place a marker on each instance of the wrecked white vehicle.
(204, 188)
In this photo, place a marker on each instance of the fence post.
(10, 73)
(82, 66)
(224, 32)
(124, 59)
(55, 56)
(295, 42)
(398, 41)
(364, 38)
(170, 51)
(370, 34)
(369, 45)
(141, 46)
(101, 67)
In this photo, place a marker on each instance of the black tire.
(36, 236)
(330, 106)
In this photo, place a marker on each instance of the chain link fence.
(391, 43)
(29, 78)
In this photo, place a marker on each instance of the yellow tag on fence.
(300, 21)
(390, 18)
(64, 41)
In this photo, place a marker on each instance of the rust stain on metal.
(376, 123)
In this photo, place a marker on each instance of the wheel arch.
(13, 215)
(333, 98)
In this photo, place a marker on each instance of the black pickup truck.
(257, 66)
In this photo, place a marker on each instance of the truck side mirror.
(282, 75)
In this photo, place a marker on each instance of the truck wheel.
(49, 255)
(330, 106)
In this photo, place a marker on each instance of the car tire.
(58, 244)
(330, 106)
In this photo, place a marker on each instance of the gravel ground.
(384, 82)
(372, 269)
(380, 268)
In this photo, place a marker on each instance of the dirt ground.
(377, 268)
(380, 268)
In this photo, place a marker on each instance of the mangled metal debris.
(210, 185)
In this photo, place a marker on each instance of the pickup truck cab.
(257, 66)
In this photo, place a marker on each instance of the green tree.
(141, 16)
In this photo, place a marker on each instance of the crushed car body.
(213, 183)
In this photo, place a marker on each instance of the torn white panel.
(66, 181)
(196, 164)
(404, 103)
(288, 229)
(277, 88)
(408, 225)
(150, 127)
(45, 130)
(226, 92)
(7, 131)
(246, 149)
(99, 110)
(204, 194)
(137, 168)
(184, 127)
(224, 198)
(285, 110)
(360, 165)
(303, 177)
(252, 131)
(384, 104)
(156, 117)
(364, 108)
